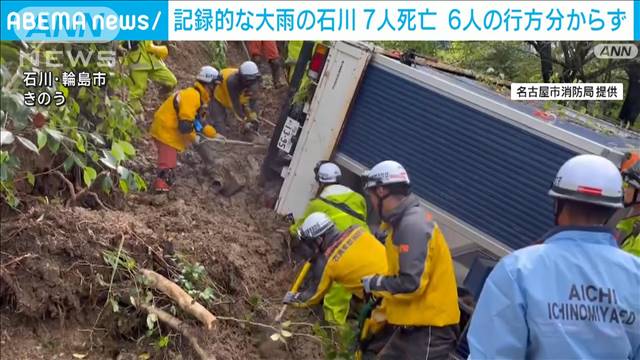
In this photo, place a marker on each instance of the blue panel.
(482, 170)
(632, 141)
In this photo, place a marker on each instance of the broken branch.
(175, 292)
(84, 192)
(179, 326)
(15, 260)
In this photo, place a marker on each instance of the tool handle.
(294, 288)
(301, 276)
(281, 313)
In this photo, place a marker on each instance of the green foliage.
(92, 131)
(424, 48)
(509, 60)
(119, 260)
(194, 280)
(163, 342)
(219, 54)
(519, 62)
(337, 342)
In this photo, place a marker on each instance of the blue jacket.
(577, 296)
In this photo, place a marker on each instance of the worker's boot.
(276, 70)
(164, 180)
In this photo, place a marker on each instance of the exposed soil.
(55, 282)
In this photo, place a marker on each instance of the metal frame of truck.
(335, 109)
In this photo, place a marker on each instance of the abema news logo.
(83, 23)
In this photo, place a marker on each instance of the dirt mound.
(60, 295)
(62, 272)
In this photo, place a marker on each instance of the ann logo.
(615, 51)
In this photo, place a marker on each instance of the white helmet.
(591, 179)
(249, 70)
(315, 225)
(386, 173)
(208, 74)
(327, 173)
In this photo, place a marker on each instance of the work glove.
(371, 283)
(252, 116)
(291, 298)
(209, 131)
(290, 218)
(251, 126)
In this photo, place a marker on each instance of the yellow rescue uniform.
(224, 96)
(354, 255)
(191, 102)
(435, 301)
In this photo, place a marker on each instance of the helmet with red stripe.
(590, 179)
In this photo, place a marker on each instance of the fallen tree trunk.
(179, 326)
(175, 292)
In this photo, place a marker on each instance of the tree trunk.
(543, 48)
(546, 62)
(631, 106)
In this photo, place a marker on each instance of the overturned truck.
(480, 162)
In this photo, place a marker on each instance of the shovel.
(294, 288)
(234, 142)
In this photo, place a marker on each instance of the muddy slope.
(56, 283)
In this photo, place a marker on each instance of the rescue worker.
(345, 208)
(237, 94)
(628, 219)
(342, 257)
(576, 295)
(261, 51)
(178, 122)
(418, 291)
(145, 61)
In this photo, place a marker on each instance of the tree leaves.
(6, 137)
(118, 152)
(31, 178)
(141, 185)
(151, 321)
(106, 184)
(55, 134)
(108, 160)
(94, 131)
(97, 138)
(124, 186)
(79, 142)
(127, 148)
(163, 342)
(68, 163)
(121, 149)
(41, 139)
(28, 144)
(88, 175)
